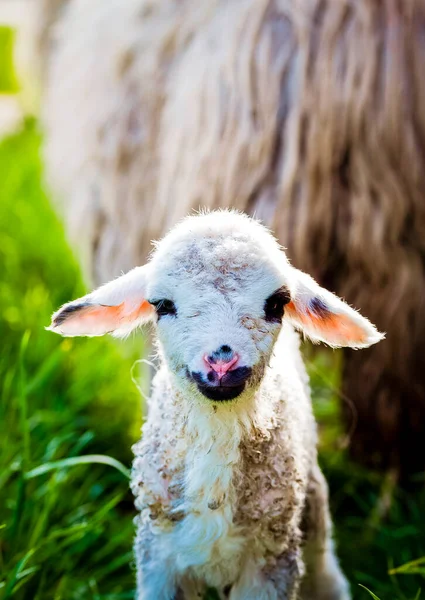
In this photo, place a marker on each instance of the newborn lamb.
(225, 476)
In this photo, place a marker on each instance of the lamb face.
(217, 287)
(220, 299)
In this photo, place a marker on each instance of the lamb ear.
(324, 317)
(117, 308)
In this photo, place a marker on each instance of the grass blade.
(79, 460)
(374, 596)
(17, 573)
(414, 566)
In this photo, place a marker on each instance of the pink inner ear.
(337, 328)
(98, 319)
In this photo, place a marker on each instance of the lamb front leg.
(154, 583)
(156, 580)
(324, 579)
(280, 582)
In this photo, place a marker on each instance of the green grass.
(66, 526)
(8, 81)
(65, 533)
(378, 526)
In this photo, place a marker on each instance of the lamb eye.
(164, 307)
(274, 306)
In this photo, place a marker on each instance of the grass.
(66, 526)
(8, 80)
(66, 532)
(378, 526)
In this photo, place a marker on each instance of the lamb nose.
(223, 354)
(222, 362)
(226, 350)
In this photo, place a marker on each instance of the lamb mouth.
(221, 393)
(228, 387)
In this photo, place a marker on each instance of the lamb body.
(225, 476)
(221, 489)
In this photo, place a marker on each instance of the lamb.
(226, 476)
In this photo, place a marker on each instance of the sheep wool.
(225, 477)
(307, 113)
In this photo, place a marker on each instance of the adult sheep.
(308, 113)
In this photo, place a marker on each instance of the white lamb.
(226, 477)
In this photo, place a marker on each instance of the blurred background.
(72, 100)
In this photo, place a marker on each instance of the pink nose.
(221, 367)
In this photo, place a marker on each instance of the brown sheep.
(309, 114)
